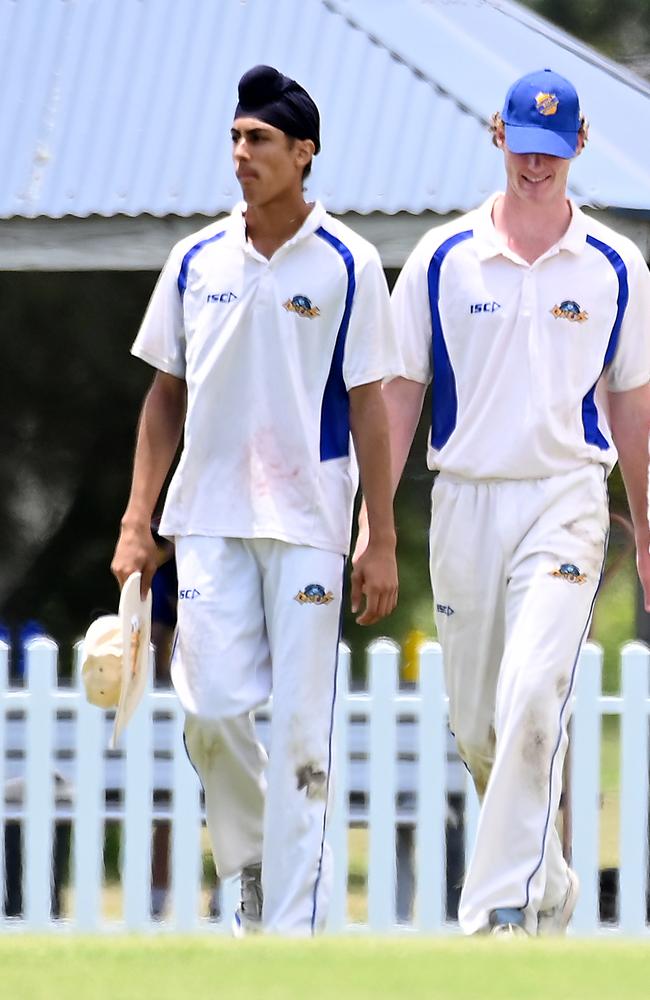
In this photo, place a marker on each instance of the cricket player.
(532, 321)
(270, 332)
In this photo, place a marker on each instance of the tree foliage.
(71, 397)
(620, 30)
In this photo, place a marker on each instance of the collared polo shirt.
(519, 353)
(269, 349)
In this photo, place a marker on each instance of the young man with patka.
(270, 332)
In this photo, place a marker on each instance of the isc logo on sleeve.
(220, 297)
(484, 307)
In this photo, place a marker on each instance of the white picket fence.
(393, 755)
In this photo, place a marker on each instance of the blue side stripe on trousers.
(329, 766)
(559, 737)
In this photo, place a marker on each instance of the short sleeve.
(371, 351)
(412, 318)
(630, 366)
(161, 338)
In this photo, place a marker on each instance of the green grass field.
(173, 968)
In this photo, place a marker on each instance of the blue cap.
(541, 114)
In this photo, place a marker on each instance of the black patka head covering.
(276, 99)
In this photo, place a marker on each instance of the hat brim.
(135, 621)
(523, 139)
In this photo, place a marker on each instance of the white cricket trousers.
(255, 616)
(515, 567)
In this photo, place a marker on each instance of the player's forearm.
(403, 405)
(630, 424)
(371, 438)
(403, 400)
(159, 432)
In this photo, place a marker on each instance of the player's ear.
(305, 150)
(583, 135)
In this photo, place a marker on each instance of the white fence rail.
(397, 776)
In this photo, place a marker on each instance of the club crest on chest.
(301, 305)
(568, 309)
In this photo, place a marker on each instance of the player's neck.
(269, 226)
(529, 229)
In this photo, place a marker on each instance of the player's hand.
(135, 552)
(374, 583)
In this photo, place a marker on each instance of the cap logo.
(546, 104)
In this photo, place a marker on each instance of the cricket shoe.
(507, 921)
(248, 918)
(556, 920)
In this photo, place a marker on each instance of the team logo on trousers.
(302, 305)
(570, 573)
(546, 104)
(570, 310)
(314, 594)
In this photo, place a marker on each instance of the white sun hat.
(115, 658)
(101, 669)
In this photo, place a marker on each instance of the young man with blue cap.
(270, 331)
(532, 322)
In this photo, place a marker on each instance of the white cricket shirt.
(516, 351)
(269, 350)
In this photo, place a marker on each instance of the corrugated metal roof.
(124, 106)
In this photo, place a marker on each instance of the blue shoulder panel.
(444, 401)
(335, 407)
(187, 260)
(593, 433)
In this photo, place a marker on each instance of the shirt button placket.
(527, 294)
